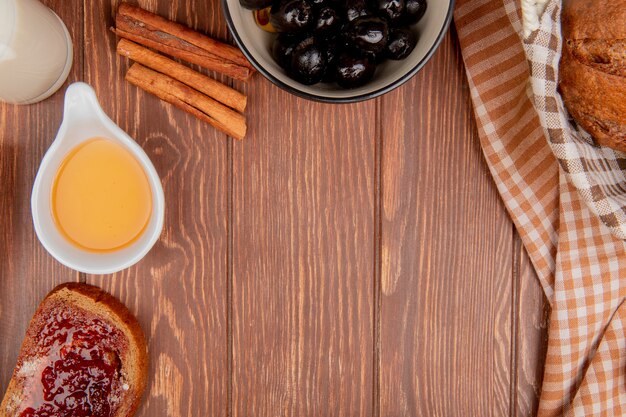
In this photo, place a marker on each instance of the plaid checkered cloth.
(566, 196)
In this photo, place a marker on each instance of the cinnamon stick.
(179, 41)
(188, 99)
(209, 86)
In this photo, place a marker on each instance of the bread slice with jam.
(84, 354)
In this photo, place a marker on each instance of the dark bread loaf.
(84, 354)
(592, 71)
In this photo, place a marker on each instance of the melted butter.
(101, 197)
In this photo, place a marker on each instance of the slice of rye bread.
(592, 71)
(594, 31)
(596, 100)
(84, 303)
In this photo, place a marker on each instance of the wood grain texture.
(27, 271)
(532, 312)
(342, 260)
(179, 291)
(303, 258)
(446, 254)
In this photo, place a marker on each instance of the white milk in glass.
(35, 51)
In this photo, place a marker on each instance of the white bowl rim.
(137, 250)
(338, 100)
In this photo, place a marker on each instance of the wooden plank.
(179, 291)
(303, 257)
(304, 248)
(533, 313)
(27, 272)
(446, 254)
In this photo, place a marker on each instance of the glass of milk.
(35, 51)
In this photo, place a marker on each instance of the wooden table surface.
(342, 260)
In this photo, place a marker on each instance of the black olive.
(283, 47)
(379, 58)
(353, 71)
(308, 62)
(391, 10)
(356, 8)
(367, 34)
(413, 11)
(292, 16)
(333, 48)
(340, 40)
(256, 4)
(402, 41)
(328, 21)
(325, 3)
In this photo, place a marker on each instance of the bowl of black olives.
(338, 50)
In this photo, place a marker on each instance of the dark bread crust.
(592, 71)
(606, 55)
(92, 302)
(596, 100)
(594, 19)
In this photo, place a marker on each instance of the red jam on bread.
(84, 354)
(79, 370)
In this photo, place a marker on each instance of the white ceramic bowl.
(255, 43)
(83, 118)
